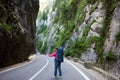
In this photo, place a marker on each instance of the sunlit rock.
(89, 55)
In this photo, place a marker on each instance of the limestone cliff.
(87, 29)
(17, 30)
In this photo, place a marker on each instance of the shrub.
(67, 53)
(43, 49)
(8, 27)
(73, 52)
(38, 44)
(117, 36)
(111, 56)
(91, 1)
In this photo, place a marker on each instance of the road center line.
(40, 70)
(86, 78)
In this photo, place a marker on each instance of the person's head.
(56, 49)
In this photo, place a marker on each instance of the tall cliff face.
(87, 29)
(17, 30)
(112, 42)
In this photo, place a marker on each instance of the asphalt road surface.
(42, 68)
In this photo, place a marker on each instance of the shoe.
(54, 76)
(60, 76)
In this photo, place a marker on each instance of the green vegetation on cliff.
(111, 56)
(71, 15)
(117, 36)
(109, 6)
(42, 31)
(72, 18)
(6, 26)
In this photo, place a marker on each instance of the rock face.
(90, 31)
(89, 55)
(17, 30)
(111, 44)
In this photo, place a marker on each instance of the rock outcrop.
(90, 31)
(17, 30)
(111, 43)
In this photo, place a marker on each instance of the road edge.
(94, 68)
(31, 58)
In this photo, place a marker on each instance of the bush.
(8, 27)
(38, 44)
(73, 52)
(91, 1)
(67, 54)
(111, 56)
(117, 36)
(43, 49)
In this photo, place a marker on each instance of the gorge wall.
(87, 29)
(17, 30)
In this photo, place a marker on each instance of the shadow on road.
(56, 79)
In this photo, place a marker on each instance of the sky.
(43, 4)
(43, 1)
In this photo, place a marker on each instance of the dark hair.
(56, 48)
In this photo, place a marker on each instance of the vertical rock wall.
(111, 43)
(17, 30)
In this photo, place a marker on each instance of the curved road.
(42, 68)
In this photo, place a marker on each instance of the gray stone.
(89, 55)
(17, 43)
(111, 44)
(114, 28)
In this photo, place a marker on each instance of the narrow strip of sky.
(42, 1)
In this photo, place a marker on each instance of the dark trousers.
(57, 67)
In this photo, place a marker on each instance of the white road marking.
(86, 78)
(16, 67)
(40, 70)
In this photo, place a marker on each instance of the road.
(42, 68)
